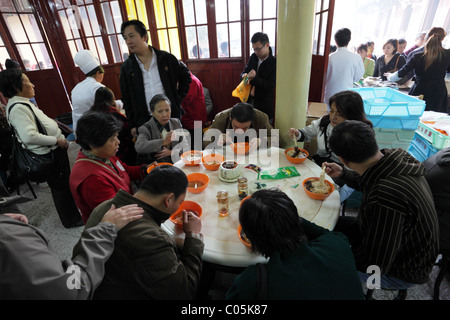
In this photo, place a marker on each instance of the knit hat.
(86, 61)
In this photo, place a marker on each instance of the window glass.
(15, 28)
(43, 60)
(203, 41)
(270, 9)
(234, 10)
(27, 56)
(3, 56)
(7, 6)
(221, 10)
(160, 16)
(235, 39)
(171, 13)
(255, 9)
(188, 11)
(31, 27)
(191, 39)
(200, 11)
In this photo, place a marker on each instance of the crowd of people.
(124, 253)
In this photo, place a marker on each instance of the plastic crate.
(404, 123)
(437, 139)
(420, 148)
(388, 102)
(395, 135)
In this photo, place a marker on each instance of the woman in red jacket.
(98, 174)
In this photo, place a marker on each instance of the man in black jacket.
(261, 73)
(147, 72)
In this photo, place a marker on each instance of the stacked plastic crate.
(394, 115)
(428, 139)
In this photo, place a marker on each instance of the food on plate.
(296, 153)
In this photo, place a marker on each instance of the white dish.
(231, 180)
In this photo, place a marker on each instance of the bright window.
(228, 28)
(3, 53)
(263, 18)
(136, 10)
(196, 28)
(26, 34)
(167, 27)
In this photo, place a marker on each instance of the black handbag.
(28, 165)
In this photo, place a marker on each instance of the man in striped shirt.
(397, 227)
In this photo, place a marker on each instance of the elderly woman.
(98, 174)
(21, 115)
(154, 142)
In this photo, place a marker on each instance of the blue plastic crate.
(388, 102)
(421, 149)
(404, 123)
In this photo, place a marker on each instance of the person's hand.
(333, 169)
(254, 144)
(168, 139)
(133, 132)
(123, 215)
(62, 143)
(252, 74)
(163, 153)
(191, 223)
(224, 139)
(294, 133)
(17, 216)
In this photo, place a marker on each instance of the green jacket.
(145, 263)
(322, 268)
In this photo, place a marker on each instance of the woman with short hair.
(98, 174)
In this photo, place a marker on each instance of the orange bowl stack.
(197, 182)
(212, 161)
(296, 159)
(187, 205)
(314, 195)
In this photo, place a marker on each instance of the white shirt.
(152, 80)
(344, 68)
(83, 96)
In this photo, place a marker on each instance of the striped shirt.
(397, 218)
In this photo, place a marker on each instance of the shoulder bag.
(28, 165)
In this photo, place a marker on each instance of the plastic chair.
(443, 265)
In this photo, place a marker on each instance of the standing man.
(147, 72)
(261, 73)
(344, 66)
(397, 227)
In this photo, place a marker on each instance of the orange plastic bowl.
(153, 166)
(187, 157)
(318, 196)
(187, 205)
(197, 177)
(240, 147)
(216, 158)
(241, 237)
(242, 201)
(296, 160)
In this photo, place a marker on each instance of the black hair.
(362, 47)
(138, 25)
(11, 64)
(342, 37)
(242, 112)
(269, 219)
(401, 41)
(165, 179)
(350, 106)
(157, 98)
(95, 70)
(94, 129)
(261, 37)
(11, 82)
(394, 43)
(354, 141)
(104, 99)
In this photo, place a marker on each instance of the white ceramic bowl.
(229, 170)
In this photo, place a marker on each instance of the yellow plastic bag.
(242, 91)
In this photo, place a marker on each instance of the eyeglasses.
(258, 49)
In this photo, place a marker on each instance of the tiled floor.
(41, 212)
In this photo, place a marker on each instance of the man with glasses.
(261, 74)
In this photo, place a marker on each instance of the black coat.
(430, 82)
(264, 82)
(175, 77)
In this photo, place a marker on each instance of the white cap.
(86, 61)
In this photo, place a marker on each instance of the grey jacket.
(30, 270)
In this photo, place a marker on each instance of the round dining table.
(223, 246)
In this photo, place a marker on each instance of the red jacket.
(194, 105)
(93, 182)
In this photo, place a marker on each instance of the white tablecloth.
(222, 244)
